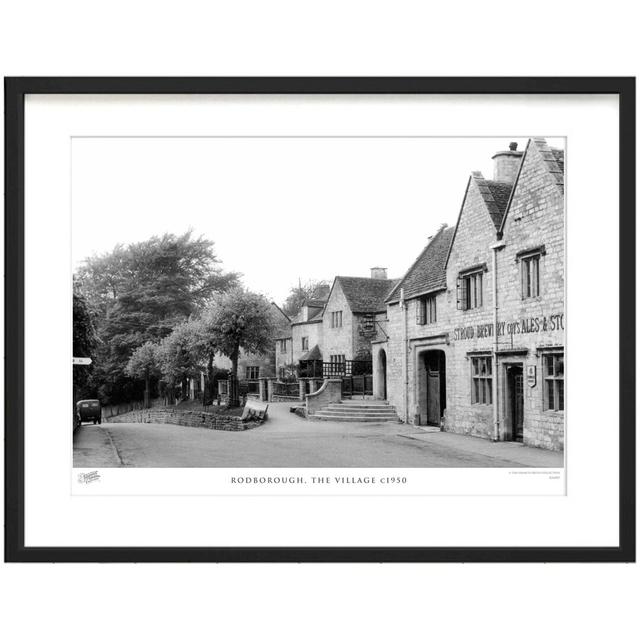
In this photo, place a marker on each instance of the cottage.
(475, 340)
(307, 335)
(331, 335)
(354, 316)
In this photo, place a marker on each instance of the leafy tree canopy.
(301, 292)
(242, 319)
(140, 292)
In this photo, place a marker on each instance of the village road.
(286, 440)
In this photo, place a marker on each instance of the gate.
(357, 385)
(357, 376)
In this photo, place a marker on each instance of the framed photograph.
(320, 319)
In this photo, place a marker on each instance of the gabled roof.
(313, 354)
(282, 315)
(365, 295)
(314, 314)
(495, 196)
(558, 155)
(500, 192)
(427, 273)
(321, 292)
(554, 161)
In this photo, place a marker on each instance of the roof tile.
(428, 272)
(366, 295)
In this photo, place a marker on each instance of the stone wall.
(338, 340)
(187, 419)
(475, 234)
(312, 330)
(536, 219)
(329, 392)
(285, 358)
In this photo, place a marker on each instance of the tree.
(240, 319)
(85, 342)
(298, 295)
(141, 292)
(177, 358)
(143, 364)
(204, 341)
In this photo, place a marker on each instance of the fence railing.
(347, 368)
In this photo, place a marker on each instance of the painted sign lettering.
(533, 324)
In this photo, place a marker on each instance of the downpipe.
(496, 373)
(405, 356)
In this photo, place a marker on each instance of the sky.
(277, 209)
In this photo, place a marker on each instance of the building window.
(554, 382)
(470, 290)
(481, 381)
(530, 273)
(283, 346)
(426, 310)
(252, 373)
(305, 343)
(336, 319)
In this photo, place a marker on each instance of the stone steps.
(357, 411)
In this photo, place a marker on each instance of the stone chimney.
(506, 164)
(379, 273)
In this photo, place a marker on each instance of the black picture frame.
(15, 91)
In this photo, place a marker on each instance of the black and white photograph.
(362, 318)
(320, 320)
(318, 302)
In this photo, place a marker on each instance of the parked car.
(88, 411)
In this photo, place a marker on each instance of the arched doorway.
(382, 374)
(433, 387)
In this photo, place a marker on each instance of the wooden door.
(433, 388)
(383, 365)
(517, 403)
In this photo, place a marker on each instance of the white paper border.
(588, 515)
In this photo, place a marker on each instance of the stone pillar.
(302, 389)
(262, 386)
(270, 390)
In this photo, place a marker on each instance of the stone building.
(354, 316)
(476, 327)
(306, 335)
(336, 327)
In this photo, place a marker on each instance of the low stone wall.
(285, 399)
(330, 391)
(187, 419)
